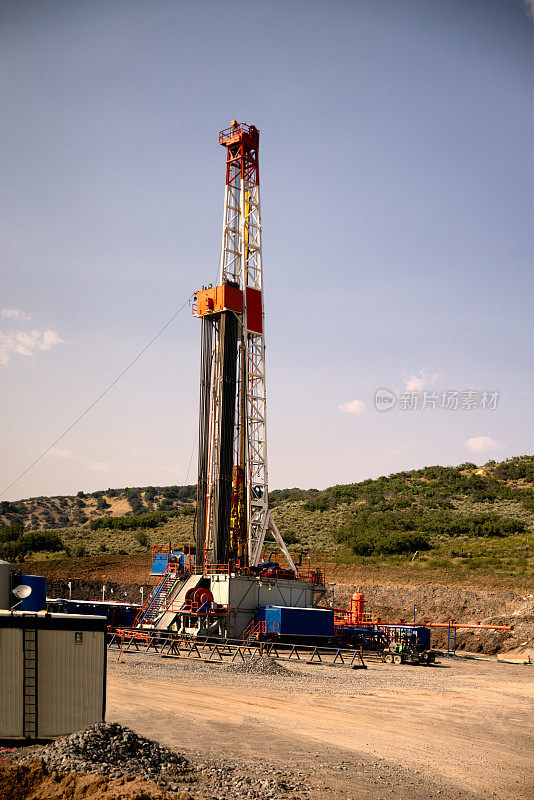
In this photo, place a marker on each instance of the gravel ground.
(205, 761)
(388, 732)
(443, 676)
(300, 676)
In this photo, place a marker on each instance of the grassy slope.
(312, 518)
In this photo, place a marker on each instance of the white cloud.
(353, 407)
(98, 466)
(482, 444)
(137, 451)
(420, 381)
(26, 343)
(60, 452)
(15, 313)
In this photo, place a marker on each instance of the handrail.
(152, 599)
(233, 130)
(196, 608)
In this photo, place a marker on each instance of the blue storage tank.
(293, 621)
(36, 601)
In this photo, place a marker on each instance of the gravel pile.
(119, 755)
(111, 749)
(261, 665)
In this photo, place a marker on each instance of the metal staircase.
(253, 631)
(157, 600)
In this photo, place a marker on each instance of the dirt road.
(460, 730)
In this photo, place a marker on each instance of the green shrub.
(187, 511)
(371, 543)
(142, 521)
(142, 538)
(11, 532)
(16, 545)
(317, 504)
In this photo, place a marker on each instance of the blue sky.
(396, 175)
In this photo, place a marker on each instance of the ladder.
(157, 601)
(30, 682)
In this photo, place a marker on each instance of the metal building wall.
(11, 672)
(70, 685)
(243, 594)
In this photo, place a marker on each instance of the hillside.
(456, 518)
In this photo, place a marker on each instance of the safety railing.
(343, 616)
(261, 628)
(180, 645)
(156, 595)
(214, 569)
(310, 566)
(161, 549)
(166, 550)
(233, 130)
(205, 608)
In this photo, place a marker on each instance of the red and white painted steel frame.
(241, 263)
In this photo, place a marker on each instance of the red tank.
(357, 602)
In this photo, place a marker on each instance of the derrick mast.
(233, 515)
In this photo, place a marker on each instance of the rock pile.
(261, 665)
(111, 749)
(108, 761)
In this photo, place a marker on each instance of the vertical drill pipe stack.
(203, 436)
(226, 370)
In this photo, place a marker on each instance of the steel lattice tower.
(233, 515)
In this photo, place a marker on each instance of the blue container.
(161, 560)
(36, 601)
(293, 621)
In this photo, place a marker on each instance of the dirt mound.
(34, 781)
(261, 665)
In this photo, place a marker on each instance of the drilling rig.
(233, 516)
(230, 581)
